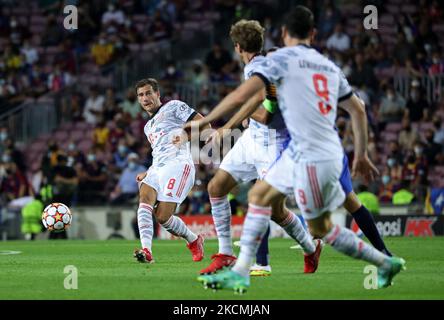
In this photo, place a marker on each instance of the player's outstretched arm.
(248, 109)
(361, 164)
(234, 100)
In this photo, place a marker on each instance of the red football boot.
(143, 255)
(311, 261)
(219, 261)
(196, 248)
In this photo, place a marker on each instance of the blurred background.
(71, 129)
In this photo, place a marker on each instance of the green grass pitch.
(107, 270)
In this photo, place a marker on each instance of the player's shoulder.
(173, 104)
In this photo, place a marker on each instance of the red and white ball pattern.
(56, 217)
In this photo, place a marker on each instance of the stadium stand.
(398, 70)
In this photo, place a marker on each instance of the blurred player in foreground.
(249, 159)
(171, 176)
(310, 87)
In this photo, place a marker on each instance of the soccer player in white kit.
(171, 176)
(250, 158)
(310, 87)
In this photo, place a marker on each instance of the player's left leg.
(260, 198)
(318, 193)
(262, 265)
(175, 182)
(362, 216)
(165, 216)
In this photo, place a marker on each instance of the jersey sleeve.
(345, 91)
(272, 69)
(184, 112)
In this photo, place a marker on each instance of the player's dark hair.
(147, 82)
(299, 22)
(249, 34)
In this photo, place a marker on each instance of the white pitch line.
(9, 252)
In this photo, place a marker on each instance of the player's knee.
(216, 189)
(257, 198)
(162, 217)
(320, 227)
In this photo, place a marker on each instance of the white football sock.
(221, 212)
(177, 227)
(145, 223)
(293, 226)
(255, 226)
(345, 241)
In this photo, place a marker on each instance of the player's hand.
(362, 166)
(179, 139)
(199, 124)
(216, 137)
(141, 176)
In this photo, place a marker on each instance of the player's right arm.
(234, 100)
(252, 108)
(361, 163)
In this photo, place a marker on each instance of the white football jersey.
(163, 126)
(260, 132)
(309, 87)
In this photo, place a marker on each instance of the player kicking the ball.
(171, 176)
(250, 158)
(310, 87)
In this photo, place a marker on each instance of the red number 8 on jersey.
(321, 88)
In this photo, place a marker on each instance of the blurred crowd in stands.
(95, 158)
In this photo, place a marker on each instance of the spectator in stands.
(417, 107)
(328, 19)
(391, 108)
(127, 187)
(92, 112)
(408, 135)
(439, 131)
(110, 105)
(130, 104)
(362, 73)
(3, 138)
(437, 65)
(102, 51)
(30, 53)
(65, 57)
(17, 32)
(14, 185)
(58, 79)
(339, 40)
(53, 32)
(100, 136)
(171, 74)
(65, 181)
(76, 158)
(403, 50)
(426, 39)
(112, 18)
(12, 58)
(160, 29)
(387, 187)
(395, 152)
(216, 60)
(49, 160)
(15, 154)
(431, 149)
(120, 157)
(93, 180)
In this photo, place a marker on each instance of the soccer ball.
(56, 217)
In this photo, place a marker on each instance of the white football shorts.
(249, 160)
(315, 184)
(172, 181)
